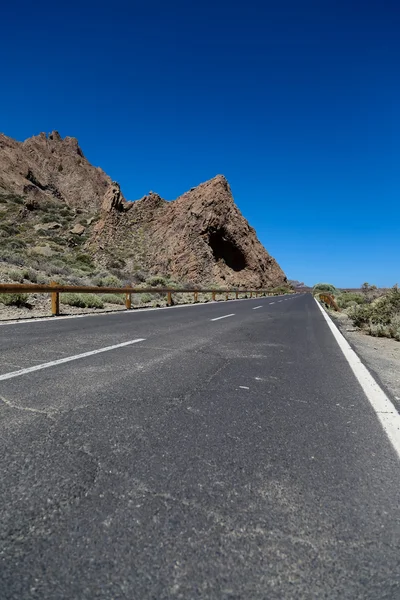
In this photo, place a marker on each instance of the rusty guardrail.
(329, 300)
(55, 289)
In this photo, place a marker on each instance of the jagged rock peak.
(114, 200)
(47, 167)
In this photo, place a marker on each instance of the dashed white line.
(61, 361)
(223, 317)
(255, 307)
(385, 410)
(272, 302)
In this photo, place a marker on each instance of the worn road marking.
(61, 361)
(224, 317)
(385, 410)
(272, 302)
(255, 307)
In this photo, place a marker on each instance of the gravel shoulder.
(381, 355)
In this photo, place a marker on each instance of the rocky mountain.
(46, 167)
(65, 208)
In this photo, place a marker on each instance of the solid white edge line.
(223, 317)
(383, 407)
(61, 361)
(255, 307)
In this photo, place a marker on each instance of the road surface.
(221, 451)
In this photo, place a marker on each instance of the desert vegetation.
(373, 310)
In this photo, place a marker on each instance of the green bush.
(15, 275)
(14, 299)
(157, 281)
(145, 298)
(381, 317)
(320, 288)
(360, 314)
(107, 281)
(82, 300)
(73, 300)
(8, 229)
(112, 298)
(349, 298)
(4, 198)
(93, 301)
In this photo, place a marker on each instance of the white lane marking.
(279, 300)
(61, 361)
(244, 387)
(224, 317)
(385, 410)
(109, 313)
(272, 302)
(255, 307)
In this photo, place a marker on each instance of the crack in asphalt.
(48, 412)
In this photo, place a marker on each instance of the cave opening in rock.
(224, 248)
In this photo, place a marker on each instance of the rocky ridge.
(66, 205)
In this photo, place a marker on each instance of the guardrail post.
(213, 296)
(237, 295)
(128, 301)
(226, 296)
(55, 301)
(169, 298)
(251, 294)
(195, 296)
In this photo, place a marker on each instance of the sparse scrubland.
(374, 311)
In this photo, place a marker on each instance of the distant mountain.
(297, 284)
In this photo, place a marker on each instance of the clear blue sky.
(296, 102)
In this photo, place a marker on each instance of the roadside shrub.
(12, 258)
(381, 317)
(93, 301)
(145, 298)
(116, 263)
(112, 298)
(157, 281)
(14, 299)
(394, 327)
(42, 279)
(73, 300)
(107, 281)
(320, 288)
(15, 275)
(82, 300)
(57, 268)
(31, 275)
(349, 299)
(139, 276)
(360, 314)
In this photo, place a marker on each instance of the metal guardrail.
(55, 289)
(329, 300)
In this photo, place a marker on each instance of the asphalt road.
(235, 458)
